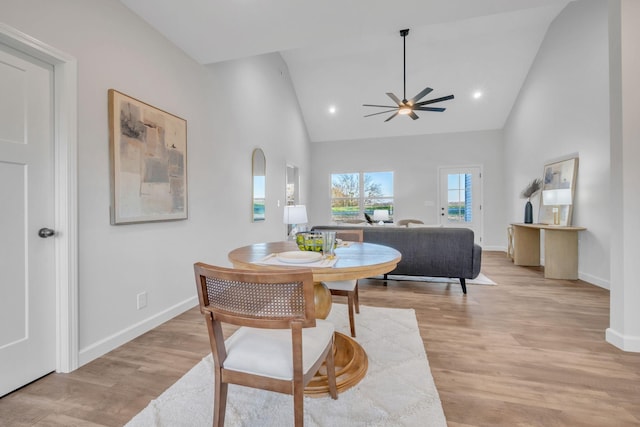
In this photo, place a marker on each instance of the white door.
(27, 270)
(461, 198)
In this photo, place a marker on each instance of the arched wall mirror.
(259, 185)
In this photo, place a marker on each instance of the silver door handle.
(46, 232)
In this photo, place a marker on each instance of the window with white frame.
(355, 193)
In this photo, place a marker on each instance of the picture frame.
(557, 193)
(148, 162)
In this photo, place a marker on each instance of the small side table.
(560, 249)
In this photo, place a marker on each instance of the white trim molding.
(114, 341)
(65, 71)
(623, 342)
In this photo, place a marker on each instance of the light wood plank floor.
(528, 352)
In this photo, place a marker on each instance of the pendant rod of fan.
(404, 34)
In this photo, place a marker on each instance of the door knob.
(46, 232)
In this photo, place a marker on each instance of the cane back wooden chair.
(348, 288)
(279, 346)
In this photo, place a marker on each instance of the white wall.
(563, 108)
(624, 330)
(415, 161)
(253, 104)
(115, 49)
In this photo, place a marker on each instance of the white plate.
(299, 257)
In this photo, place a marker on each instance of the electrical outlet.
(142, 300)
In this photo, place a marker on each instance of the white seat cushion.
(268, 352)
(342, 285)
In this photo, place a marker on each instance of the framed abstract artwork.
(148, 154)
(558, 190)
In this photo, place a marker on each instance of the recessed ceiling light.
(332, 109)
(477, 94)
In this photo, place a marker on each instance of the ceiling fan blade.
(391, 117)
(381, 112)
(421, 95)
(437, 109)
(395, 99)
(413, 115)
(431, 101)
(382, 106)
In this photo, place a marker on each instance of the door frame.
(480, 226)
(65, 140)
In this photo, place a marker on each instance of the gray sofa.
(428, 251)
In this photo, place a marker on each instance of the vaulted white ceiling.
(348, 53)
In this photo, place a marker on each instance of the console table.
(560, 249)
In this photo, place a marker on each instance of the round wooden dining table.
(354, 261)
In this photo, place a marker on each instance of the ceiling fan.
(409, 107)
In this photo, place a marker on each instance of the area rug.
(480, 280)
(398, 389)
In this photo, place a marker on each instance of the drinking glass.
(328, 243)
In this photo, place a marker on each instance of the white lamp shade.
(560, 196)
(295, 214)
(380, 215)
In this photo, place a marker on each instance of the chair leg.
(352, 320)
(357, 298)
(298, 404)
(463, 282)
(331, 373)
(220, 401)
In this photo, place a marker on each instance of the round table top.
(356, 261)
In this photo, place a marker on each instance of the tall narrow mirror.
(259, 174)
(292, 189)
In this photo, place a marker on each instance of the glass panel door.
(460, 198)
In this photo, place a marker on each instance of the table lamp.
(380, 216)
(556, 198)
(295, 215)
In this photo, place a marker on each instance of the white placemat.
(272, 259)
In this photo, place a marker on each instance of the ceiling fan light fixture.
(404, 110)
(404, 107)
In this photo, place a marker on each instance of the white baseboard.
(594, 280)
(104, 346)
(623, 342)
(495, 249)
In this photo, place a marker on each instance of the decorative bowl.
(309, 241)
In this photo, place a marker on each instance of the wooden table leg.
(351, 366)
(561, 254)
(526, 246)
(322, 300)
(351, 361)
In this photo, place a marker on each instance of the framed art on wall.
(558, 189)
(148, 153)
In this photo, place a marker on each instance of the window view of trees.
(353, 194)
(459, 195)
